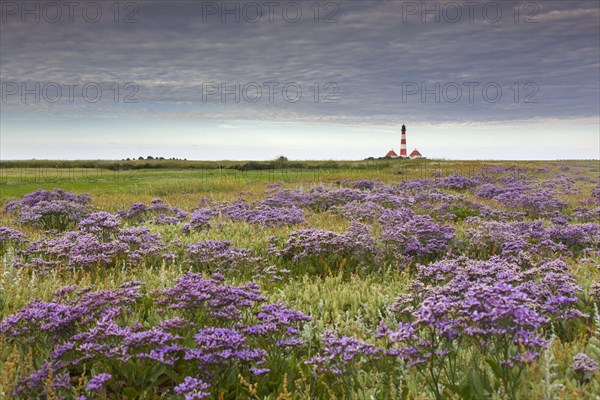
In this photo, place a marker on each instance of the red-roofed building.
(391, 154)
(415, 154)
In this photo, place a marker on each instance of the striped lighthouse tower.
(403, 142)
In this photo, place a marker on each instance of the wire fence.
(16, 174)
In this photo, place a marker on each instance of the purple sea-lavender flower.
(98, 382)
(584, 366)
(192, 388)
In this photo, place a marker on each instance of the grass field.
(162, 178)
(381, 279)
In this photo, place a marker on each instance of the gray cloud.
(370, 54)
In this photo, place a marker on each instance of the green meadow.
(350, 298)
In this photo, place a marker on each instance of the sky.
(252, 80)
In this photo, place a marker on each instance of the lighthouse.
(403, 142)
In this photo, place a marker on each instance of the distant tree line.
(152, 162)
(140, 158)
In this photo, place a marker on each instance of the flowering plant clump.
(500, 310)
(339, 352)
(489, 191)
(220, 256)
(415, 235)
(584, 367)
(262, 213)
(456, 182)
(57, 209)
(141, 244)
(364, 184)
(99, 242)
(358, 211)
(279, 324)
(157, 212)
(100, 221)
(192, 388)
(514, 240)
(585, 214)
(101, 224)
(40, 196)
(199, 221)
(73, 310)
(595, 291)
(318, 198)
(97, 382)
(596, 194)
(535, 200)
(356, 245)
(88, 328)
(10, 237)
(495, 306)
(576, 237)
(283, 198)
(193, 293)
(391, 197)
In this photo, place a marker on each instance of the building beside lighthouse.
(415, 154)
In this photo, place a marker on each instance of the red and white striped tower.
(403, 142)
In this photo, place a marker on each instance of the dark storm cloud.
(370, 55)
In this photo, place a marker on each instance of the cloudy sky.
(305, 79)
